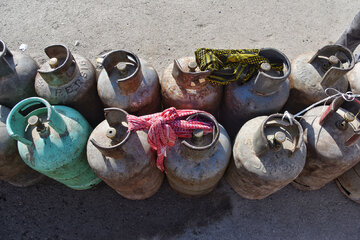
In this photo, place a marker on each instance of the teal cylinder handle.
(16, 122)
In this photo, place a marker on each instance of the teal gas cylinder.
(52, 140)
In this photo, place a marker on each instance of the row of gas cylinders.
(55, 135)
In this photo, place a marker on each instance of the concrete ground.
(160, 31)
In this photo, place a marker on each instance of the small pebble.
(23, 47)
(77, 43)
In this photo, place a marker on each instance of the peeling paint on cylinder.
(195, 166)
(330, 153)
(262, 162)
(129, 83)
(192, 93)
(70, 80)
(124, 160)
(265, 93)
(52, 140)
(313, 72)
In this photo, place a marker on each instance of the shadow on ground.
(49, 210)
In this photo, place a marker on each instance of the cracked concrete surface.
(160, 31)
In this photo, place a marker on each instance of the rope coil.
(165, 127)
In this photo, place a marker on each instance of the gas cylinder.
(17, 75)
(69, 80)
(123, 159)
(264, 94)
(52, 140)
(331, 134)
(349, 183)
(184, 87)
(12, 168)
(194, 166)
(353, 77)
(269, 153)
(314, 72)
(129, 83)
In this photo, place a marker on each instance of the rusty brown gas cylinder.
(349, 183)
(12, 168)
(312, 73)
(194, 166)
(264, 94)
(124, 160)
(331, 134)
(268, 154)
(70, 80)
(17, 75)
(129, 83)
(185, 87)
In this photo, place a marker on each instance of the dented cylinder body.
(129, 83)
(332, 147)
(263, 162)
(195, 166)
(123, 160)
(17, 75)
(68, 79)
(314, 72)
(263, 94)
(12, 168)
(52, 140)
(183, 89)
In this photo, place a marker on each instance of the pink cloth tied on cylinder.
(165, 127)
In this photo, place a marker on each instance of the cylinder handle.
(21, 113)
(261, 143)
(62, 65)
(340, 61)
(200, 133)
(266, 83)
(114, 118)
(185, 78)
(117, 61)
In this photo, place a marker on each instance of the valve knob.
(280, 137)
(53, 62)
(111, 133)
(192, 66)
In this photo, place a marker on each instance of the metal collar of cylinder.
(5, 66)
(330, 111)
(185, 79)
(121, 56)
(266, 84)
(341, 55)
(114, 117)
(216, 131)
(261, 143)
(17, 120)
(63, 72)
